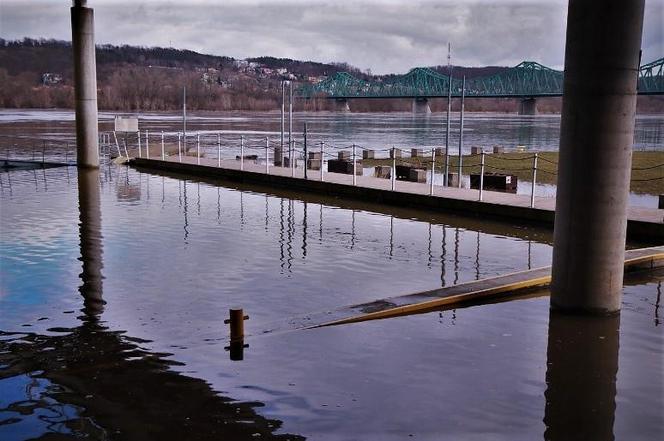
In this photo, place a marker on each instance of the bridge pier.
(596, 137)
(85, 84)
(421, 106)
(528, 106)
(341, 105)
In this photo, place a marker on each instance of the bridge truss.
(527, 79)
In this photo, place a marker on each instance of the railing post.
(198, 148)
(138, 134)
(394, 168)
(322, 159)
(267, 155)
(147, 144)
(532, 189)
(179, 147)
(218, 149)
(433, 168)
(292, 164)
(354, 167)
(163, 154)
(241, 152)
(481, 175)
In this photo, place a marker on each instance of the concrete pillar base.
(341, 105)
(528, 106)
(421, 106)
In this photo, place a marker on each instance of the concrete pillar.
(582, 364)
(341, 105)
(528, 106)
(421, 106)
(85, 84)
(597, 131)
(90, 241)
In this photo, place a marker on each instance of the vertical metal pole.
(447, 131)
(267, 158)
(184, 116)
(163, 154)
(241, 152)
(179, 147)
(532, 188)
(481, 176)
(283, 122)
(354, 167)
(290, 124)
(322, 158)
(198, 148)
(463, 94)
(218, 149)
(305, 150)
(147, 145)
(138, 135)
(394, 168)
(292, 164)
(433, 168)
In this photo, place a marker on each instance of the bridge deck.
(643, 223)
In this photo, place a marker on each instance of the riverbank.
(647, 167)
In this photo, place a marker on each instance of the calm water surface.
(112, 305)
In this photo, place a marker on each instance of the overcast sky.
(381, 35)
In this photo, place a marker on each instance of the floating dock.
(643, 223)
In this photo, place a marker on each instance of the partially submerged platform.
(15, 164)
(643, 223)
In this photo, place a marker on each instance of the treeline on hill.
(38, 74)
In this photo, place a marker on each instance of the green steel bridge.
(525, 80)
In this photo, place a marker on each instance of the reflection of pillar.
(85, 84)
(596, 138)
(582, 363)
(90, 241)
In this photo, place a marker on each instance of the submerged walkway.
(643, 223)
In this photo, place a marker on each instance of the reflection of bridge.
(527, 80)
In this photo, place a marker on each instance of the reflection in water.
(582, 363)
(91, 241)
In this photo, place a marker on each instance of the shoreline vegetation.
(38, 74)
(647, 167)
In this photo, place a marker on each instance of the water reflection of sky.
(177, 255)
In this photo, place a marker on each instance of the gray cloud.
(382, 35)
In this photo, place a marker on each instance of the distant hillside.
(38, 74)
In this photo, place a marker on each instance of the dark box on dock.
(345, 167)
(495, 181)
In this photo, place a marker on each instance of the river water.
(112, 305)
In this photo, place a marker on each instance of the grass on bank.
(647, 167)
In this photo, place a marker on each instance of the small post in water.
(292, 159)
(433, 168)
(236, 321)
(354, 167)
(394, 168)
(267, 155)
(481, 175)
(163, 153)
(532, 189)
(138, 135)
(219, 150)
(198, 148)
(147, 145)
(241, 152)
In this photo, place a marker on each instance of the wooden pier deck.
(643, 223)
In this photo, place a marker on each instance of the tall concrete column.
(341, 105)
(85, 84)
(421, 106)
(597, 130)
(528, 106)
